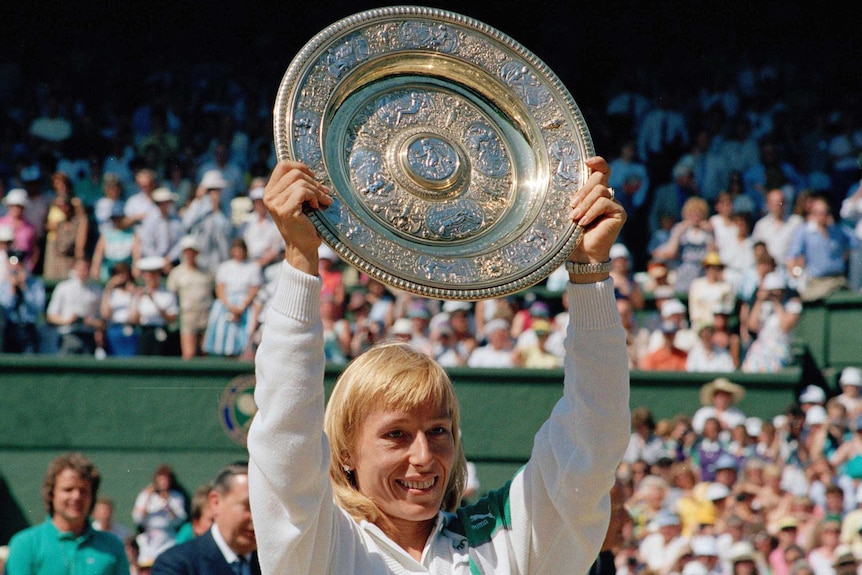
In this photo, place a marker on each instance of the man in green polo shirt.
(66, 542)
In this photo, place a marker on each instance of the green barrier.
(130, 415)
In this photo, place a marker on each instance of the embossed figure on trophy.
(393, 108)
(339, 59)
(521, 80)
(366, 166)
(455, 221)
(488, 155)
(432, 159)
(435, 37)
(305, 129)
(439, 271)
(568, 158)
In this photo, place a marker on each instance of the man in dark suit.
(229, 547)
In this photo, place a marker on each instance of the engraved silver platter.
(452, 151)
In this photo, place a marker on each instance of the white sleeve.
(560, 503)
(291, 496)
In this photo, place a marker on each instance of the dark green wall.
(131, 415)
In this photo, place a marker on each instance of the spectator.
(644, 444)
(690, 241)
(851, 215)
(497, 352)
(201, 515)
(773, 318)
(103, 519)
(24, 235)
(818, 254)
(621, 272)
(140, 205)
(850, 381)
(121, 337)
(205, 220)
(230, 544)
(194, 291)
(160, 510)
(536, 355)
(670, 198)
(154, 310)
(668, 357)
(709, 292)
(110, 203)
(706, 356)
(718, 399)
(637, 337)
(22, 300)
(117, 243)
(260, 234)
(160, 232)
(237, 282)
(69, 493)
(66, 240)
(777, 228)
(74, 310)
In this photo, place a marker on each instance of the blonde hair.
(695, 204)
(390, 375)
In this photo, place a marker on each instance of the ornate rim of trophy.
(452, 151)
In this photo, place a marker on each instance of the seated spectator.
(724, 336)
(818, 253)
(112, 196)
(709, 291)
(706, 355)
(718, 399)
(621, 274)
(777, 228)
(159, 512)
(497, 352)
(22, 300)
(668, 357)
(773, 318)
(74, 310)
(637, 337)
(644, 444)
(690, 240)
(672, 311)
(739, 251)
(536, 355)
(850, 381)
(117, 243)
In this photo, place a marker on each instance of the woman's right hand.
(290, 188)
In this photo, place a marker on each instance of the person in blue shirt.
(818, 253)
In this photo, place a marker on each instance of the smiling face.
(402, 461)
(396, 457)
(72, 499)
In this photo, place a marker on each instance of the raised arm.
(290, 492)
(562, 494)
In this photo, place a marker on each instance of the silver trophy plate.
(452, 151)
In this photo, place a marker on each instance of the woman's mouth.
(420, 485)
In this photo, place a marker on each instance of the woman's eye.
(396, 434)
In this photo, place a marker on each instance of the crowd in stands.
(144, 233)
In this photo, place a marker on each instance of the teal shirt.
(43, 550)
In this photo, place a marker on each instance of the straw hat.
(736, 391)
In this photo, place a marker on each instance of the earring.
(346, 468)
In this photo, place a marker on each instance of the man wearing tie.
(229, 547)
